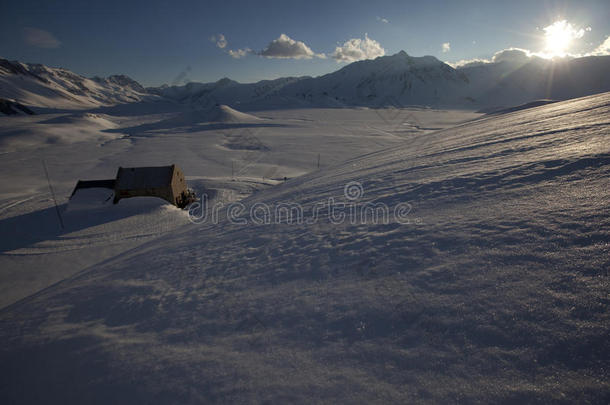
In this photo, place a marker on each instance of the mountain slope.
(402, 80)
(226, 91)
(488, 285)
(398, 80)
(9, 107)
(510, 84)
(42, 86)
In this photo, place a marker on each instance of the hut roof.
(93, 184)
(144, 177)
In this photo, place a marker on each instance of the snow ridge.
(57, 88)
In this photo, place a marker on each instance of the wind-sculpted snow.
(492, 287)
(228, 159)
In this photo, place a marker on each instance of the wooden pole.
(46, 172)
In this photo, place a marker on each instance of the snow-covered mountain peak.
(38, 85)
(122, 81)
(225, 81)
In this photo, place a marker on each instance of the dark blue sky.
(157, 42)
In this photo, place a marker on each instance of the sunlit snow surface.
(495, 291)
(226, 155)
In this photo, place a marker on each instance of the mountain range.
(397, 80)
(37, 85)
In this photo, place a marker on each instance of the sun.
(559, 37)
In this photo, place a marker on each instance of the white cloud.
(383, 20)
(239, 53)
(358, 49)
(564, 29)
(446, 47)
(285, 47)
(512, 55)
(559, 37)
(468, 63)
(220, 40)
(40, 38)
(603, 49)
(520, 56)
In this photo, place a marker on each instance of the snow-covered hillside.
(57, 88)
(224, 152)
(487, 283)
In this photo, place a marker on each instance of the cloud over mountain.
(40, 38)
(239, 53)
(285, 47)
(513, 55)
(358, 49)
(510, 55)
(603, 48)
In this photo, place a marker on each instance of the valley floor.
(487, 283)
(225, 160)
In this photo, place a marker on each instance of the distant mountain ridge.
(42, 86)
(397, 80)
(402, 80)
(541, 79)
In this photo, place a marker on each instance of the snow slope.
(539, 78)
(214, 114)
(57, 88)
(43, 130)
(228, 160)
(492, 287)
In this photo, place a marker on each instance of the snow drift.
(492, 288)
(215, 114)
(51, 129)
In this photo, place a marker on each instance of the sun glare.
(559, 37)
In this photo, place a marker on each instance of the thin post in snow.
(46, 172)
(318, 160)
